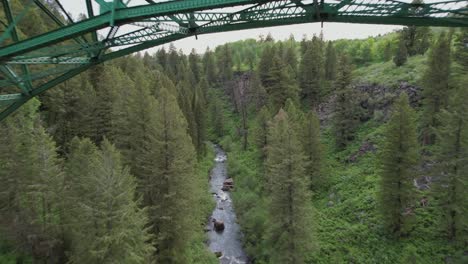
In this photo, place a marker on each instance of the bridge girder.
(154, 24)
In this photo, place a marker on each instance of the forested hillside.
(347, 151)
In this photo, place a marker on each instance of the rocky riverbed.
(225, 237)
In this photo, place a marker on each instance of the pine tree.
(304, 45)
(225, 63)
(149, 61)
(312, 74)
(31, 189)
(436, 87)
(80, 169)
(107, 94)
(210, 67)
(18, 146)
(347, 109)
(70, 110)
(387, 52)
(46, 187)
(402, 54)
(290, 234)
(461, 50)
(199, 109)
(121, 130)
(217, 117)
(194, 64)
(185, 100)
(281, 85)
(295, 115)
(141, 109)
(313, 149)
(171, 185)
(417, 39)
(290, 56)
(106, 223)
(257, 94)
(451, 168)
(171, 63)
(161, 58)
(330, 62)
(266, 60)
(397, 160)
(261, 130)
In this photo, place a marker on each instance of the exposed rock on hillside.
(376, 100)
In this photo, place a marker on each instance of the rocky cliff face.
(375, 100)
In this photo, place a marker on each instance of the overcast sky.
(331, 31)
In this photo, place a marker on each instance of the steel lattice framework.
(34, 65)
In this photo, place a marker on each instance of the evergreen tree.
(45, 188)
(304, 45)
(436, 87)
(397, 160)
(451, 168)
(185, 98)
(461, 50)
(171, 185)
(225, 63)
(217, 117)
(107, 226)
(261, 129)
(290, 234)
(125, 89)
(70, 110)
(347, 109)
(171, 63)
(149, 61)
(31, 189)
(312, 74)
(106, 95)
(141, 109)
(290, 56)
(266, 60)
(402, 54)
(194, 63)
(330, 62)
(281, 85)
(295, 115)
(313, 149)
(257, 93)
(199, 108)
(387, 52)
(210, 67)
(417, 39)
(161, 58)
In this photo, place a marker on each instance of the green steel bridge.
(116, 28)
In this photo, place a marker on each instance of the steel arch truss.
(34, 65)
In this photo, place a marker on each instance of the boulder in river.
(228, 184)
(218, 225)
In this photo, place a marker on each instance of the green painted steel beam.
(132, 14)
(9, 99)
(41, 89)
(121, 16)
(10, 74)
(89, 8)
(57, 20)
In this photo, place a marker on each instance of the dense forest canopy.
(346, 151)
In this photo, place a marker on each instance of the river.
(229, 241)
